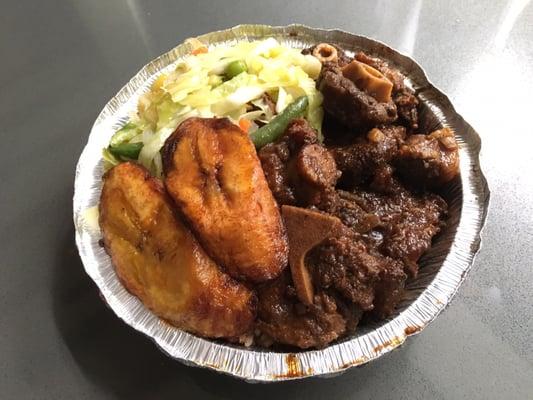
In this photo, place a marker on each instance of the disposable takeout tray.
(443, 268)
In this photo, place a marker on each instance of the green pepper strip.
(127, 132)
(274, 129)
(126, 150)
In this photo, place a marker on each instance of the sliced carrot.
(245, 124)
(199, 50)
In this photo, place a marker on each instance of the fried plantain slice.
(158, 259)
(215, 178)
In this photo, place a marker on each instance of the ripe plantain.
(215, 178)
(158, 259)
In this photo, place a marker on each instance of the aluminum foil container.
(443, 267)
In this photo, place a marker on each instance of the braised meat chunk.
(274, 158)
(299, 133)
(349, 104)
(313, 172)
(365, 91)
(389, 289)
(392, 74)
(327, 52)
(407, 106)
(387, 227)
(318, 227)
(360, 160)
(429, 160)
(351, 267)
(342, 205)
(408, 222)
(282, 318)
(297, 168)
(404, 98)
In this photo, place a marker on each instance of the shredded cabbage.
(197, 87)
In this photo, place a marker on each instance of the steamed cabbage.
(197, 87)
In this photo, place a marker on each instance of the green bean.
(275, 128)
(127, 132)
(234, 68)
(126, 150)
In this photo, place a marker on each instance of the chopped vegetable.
(264, 107)
(226, 81)
(126, 150)
(237, 99)
(245, 124)
(109, 159)
(275, 128)
(124, 134)
(199, 50)
(214, 81)
(234, 68)
(197, 47)
(90, 218)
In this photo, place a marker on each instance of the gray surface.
(60, 63)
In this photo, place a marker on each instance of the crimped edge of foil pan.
(450, 260)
